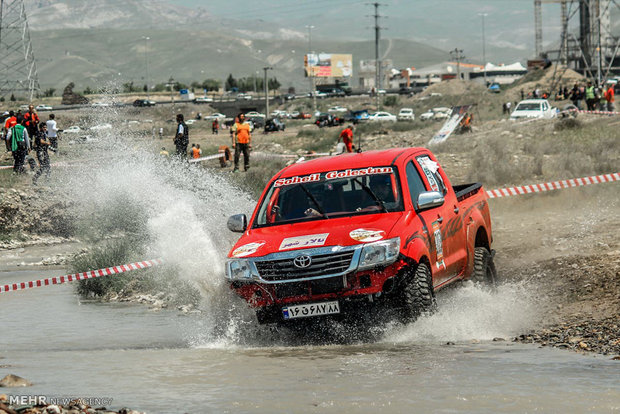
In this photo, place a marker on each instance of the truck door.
(432, 223)
(452, 231)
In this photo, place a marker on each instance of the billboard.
(328, 65)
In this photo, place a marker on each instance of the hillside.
(91, 57)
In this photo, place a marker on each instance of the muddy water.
(165, 362)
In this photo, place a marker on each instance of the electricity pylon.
(18, 70)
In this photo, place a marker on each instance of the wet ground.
(167, 362)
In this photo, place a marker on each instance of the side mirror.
(237, 223)
(429, 199)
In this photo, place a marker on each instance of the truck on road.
(361, 231)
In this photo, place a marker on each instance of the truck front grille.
(323, 264)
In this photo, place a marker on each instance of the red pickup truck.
(379, 228)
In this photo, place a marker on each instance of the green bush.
(391, 101)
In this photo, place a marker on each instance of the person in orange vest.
(32, 121)
(610, 97)
(242, 142)
(347, 138)
(196, 151)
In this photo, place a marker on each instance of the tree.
(211, 85)
(13, 98)
(88, 91)
(273, 84)
(49, 92)
(230, 83)
(145, 88)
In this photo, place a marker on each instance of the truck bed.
(464, 191)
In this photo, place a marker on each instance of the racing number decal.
(438, 245)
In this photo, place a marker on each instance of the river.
(162, 361)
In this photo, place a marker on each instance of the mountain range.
(91, 42)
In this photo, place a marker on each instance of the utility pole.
(484, 54)
(600, 48)
(310, 74)
(146, 62)
(457, 54)
(266, 91)
(538, 27)
(377, 59)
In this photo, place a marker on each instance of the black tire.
(484, 268)
(418, 294)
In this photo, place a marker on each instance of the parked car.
(143, 102)
(382, 117)
(274, 125)
(405, 114)
(533, 108)
(203, 100)
(217, 115)
(357, 116)
(375, 233)
(278, 113)
(302, 115)
(428, 115)
(257, 121)
(328, 120)
(338, 109)
(495, 88)
(43, 107)
(100, 104)
(319, 95)
(289, 97)
(73, 129)
(254, 114)
(244, 96)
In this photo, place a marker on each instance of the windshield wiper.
(377, 200)
(314, 200)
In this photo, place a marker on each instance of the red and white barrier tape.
(554, 185)
(81, 276)
(594, 112)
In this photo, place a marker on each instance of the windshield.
(332, 194)
(528, 107)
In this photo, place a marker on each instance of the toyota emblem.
(302, 261)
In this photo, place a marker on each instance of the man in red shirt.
(610, 97)
(10, 122)
(347, 138)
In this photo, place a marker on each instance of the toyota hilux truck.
(356, 231)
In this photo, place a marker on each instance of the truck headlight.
(238, 269)
(379, 253)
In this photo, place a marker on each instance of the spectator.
(20, 145)
(215, 126)
(575, 96)
(195, 151)
(590, 97)
(181, 137)
(52, 133)
(31, 119)
(161, 132)
(163, 152)
(41, 145)
(610, 97)
(347, 138)
(241, 142)
(8, 123)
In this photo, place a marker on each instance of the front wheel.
(484, 268)
(418, 293)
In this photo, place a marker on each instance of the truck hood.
(343, 231)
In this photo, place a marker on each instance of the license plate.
(310, 309)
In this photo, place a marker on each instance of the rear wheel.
(484, 268)
(418, 294)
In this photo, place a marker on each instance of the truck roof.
(345, 161)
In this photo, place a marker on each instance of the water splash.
(472, 312)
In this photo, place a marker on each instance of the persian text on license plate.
(310, 309)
